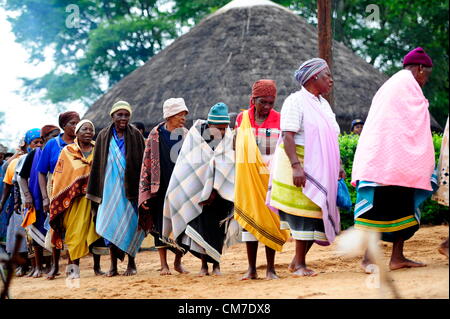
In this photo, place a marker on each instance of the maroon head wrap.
(65, 118)
(417, 56)
(45, 130)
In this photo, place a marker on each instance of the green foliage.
(93, 41)
(432, 212)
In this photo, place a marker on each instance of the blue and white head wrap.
(310, 68)
(31, 135)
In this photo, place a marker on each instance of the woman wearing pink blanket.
(394, 159)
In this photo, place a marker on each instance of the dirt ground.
(338, 277)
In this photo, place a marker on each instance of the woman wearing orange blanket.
(70, 210)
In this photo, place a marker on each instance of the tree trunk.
(325, 39)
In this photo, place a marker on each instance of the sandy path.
(338, 277)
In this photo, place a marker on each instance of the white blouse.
(292, 114)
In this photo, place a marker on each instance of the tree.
(107, 40)
(93, 41)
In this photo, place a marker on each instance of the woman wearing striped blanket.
(201, 192)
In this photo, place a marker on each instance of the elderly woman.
(258, 130)
(114, 184)
(29, 182)
(32, 140)
(200, 193)
(46, 166)
(158, 163)
(306, 165)
(70, 210)
(394, 159)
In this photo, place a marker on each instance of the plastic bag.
(343, 196)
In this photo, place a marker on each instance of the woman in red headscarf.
(257, 220)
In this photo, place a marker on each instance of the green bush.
(432, 212)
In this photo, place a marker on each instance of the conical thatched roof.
(221, 57)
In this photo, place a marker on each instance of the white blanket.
(199, 169)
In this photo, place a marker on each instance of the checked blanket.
(199, 169)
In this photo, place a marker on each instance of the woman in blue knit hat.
(200, 194)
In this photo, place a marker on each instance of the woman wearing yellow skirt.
(70, 210)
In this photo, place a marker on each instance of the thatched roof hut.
(220, 58)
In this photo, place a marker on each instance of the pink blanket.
(321, 166)
(396, 147)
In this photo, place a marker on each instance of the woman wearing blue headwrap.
(32, 136)
(32, 140)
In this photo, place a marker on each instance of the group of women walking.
(274, 176)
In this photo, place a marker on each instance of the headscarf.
(120, 105)
(65, 118)
(264, 88)
(31, 135)
(80, 124)
(417, 56)
(47, 129)
(310, 68)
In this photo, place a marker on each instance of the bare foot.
(38, 273)
(216, 271)
(165, 271)
(20, 272)
(203, 272)
(112, 273)
(99, 272)
(130, 272)
(250, 275)
(30, 274)
(271, 274)
(443, 250)
(179, 267)
(304, 272)
(52, 273)
(292, 267)
(367, 266)
(404, 263)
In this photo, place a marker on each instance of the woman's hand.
(298, 175)
(46, 204)
(28, 201)
(342, 173)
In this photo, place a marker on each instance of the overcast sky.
(21, 114)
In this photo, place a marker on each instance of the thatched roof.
(220, 58)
